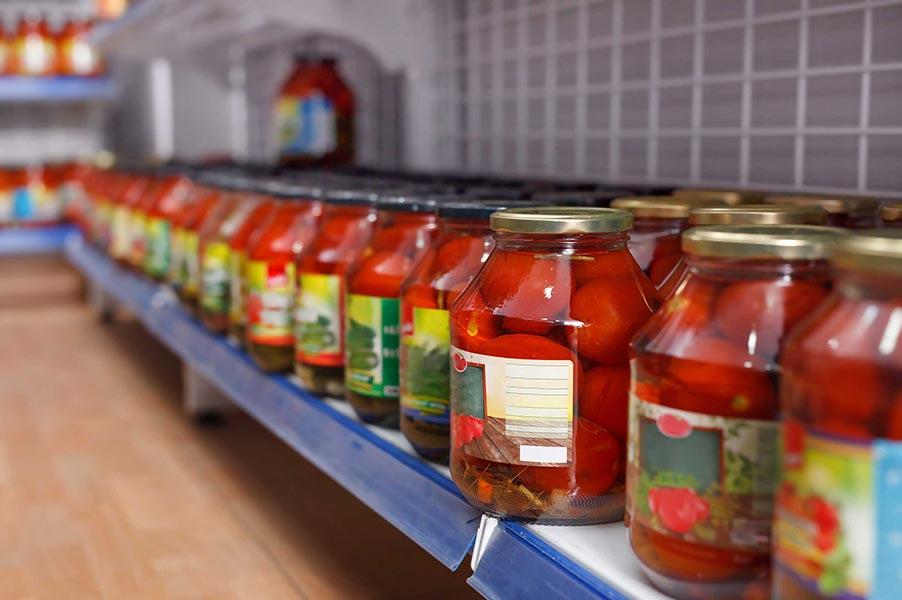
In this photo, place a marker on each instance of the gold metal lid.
(757, 214)
(891, 212)
(872, 250)
(561, 220)
(661, 207)
(729, 197)
(835, 205)
(766, 242)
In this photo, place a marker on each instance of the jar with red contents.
(891, 215)
(464, 243)
(539, 348)
(348, 223)
(704, 432)
(238, 244)
(182, 275)
(159, 212)
(655, 237)
(34, 47)
(405, 230)
(270, 273)
(837, 514)
(215, 253)
(77, 56)
(750, 214)
(849, 212)
(222, 204)
(134, 187)
(101, 217)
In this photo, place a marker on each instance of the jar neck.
(744, 268)
(561, 242)
(659, 224)
(468, 227)
(857, 285)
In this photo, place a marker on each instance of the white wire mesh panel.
(780, 94)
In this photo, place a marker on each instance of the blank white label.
(543, 454)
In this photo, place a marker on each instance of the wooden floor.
(108, 491)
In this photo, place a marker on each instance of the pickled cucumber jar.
(540, 366)
(464, 243)
(406, 227)
(270, 273)
(171, 195)
(348, 222)
(704, 415)
(203, 198)
(837, 514)
(891, 215)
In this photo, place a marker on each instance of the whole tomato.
(421, 296)
(464, 254)
(611, 312)
(678, 508)
(618, 264)
(605, 400)
(382, 273)
(473, 326)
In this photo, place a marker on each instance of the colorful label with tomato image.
(372, 337)
(701, 478)
(526, 407)
(214, 278)
(157, 255)
(119, 244)
(270, 299)
(425, 356)
(305, 125)
(237, 286)
(317, 320)
(838, 527)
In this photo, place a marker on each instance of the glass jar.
(346, 230)
(750, 214)
(849, 212)
(270, 274)
(77, 56)
(205, 230)
(657, 225)
(34, 48)
(238, 243)
(405, 229)
(183, 241)
(891, 215)
(539, 347)
(703, 431)
(103, 189)
(837, 514)
(134, 188)
(164, 205)
(215, 255)
(464, 243)
(728, 197)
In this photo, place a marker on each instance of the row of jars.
(724, 370)
(35, 47)
(36, 195)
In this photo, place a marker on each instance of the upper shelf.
(56, 89)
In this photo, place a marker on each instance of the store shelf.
(56, 89)
(378, 467)
(42, 240)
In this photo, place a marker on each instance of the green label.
(425, 364)
(214, 277)
(270, 299)
(372, 336)
(156, 261)
(237, 287)
(318, 320)
(190, 262)
(701, 478)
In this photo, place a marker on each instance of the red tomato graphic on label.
(460, 363)
(678, 508)
(254, 306)
(466, 429)
(673, 426)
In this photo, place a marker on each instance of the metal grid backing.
(780, 94)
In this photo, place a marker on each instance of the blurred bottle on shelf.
(34, 47)
(313, 115)
(5, 49)
(76, 54)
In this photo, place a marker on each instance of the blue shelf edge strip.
(403, 490)
(37, 240)
(56, 89)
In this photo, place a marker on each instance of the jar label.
(137, 237)
(838, 525)
(372, 335)
(305, 125)
(177, 267)
(704, 479)
(425, 360)
(237, 286)
(318, 320)
(119, 245)
(214, 277)
(270, 298)
(513, 410)
(157, 252)
(191, 262)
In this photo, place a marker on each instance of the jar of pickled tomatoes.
(135, 185)
(849, 212)
(837, 516)
(171, 194)
(703, 451)
(183, 248)
(891, 215)
(406, 227)
(539, 349)
(270, 272)
(207, 229)
(464, 243)
(749, 214)
(348, 222)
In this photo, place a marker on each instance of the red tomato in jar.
(381, 274)
(526, 289)
(612, 311)
(464, 254)
(713, 376)
(475, 326)
(605, 399)
(765, 309)
(421, 295)
(618, 264)
(661, 267)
